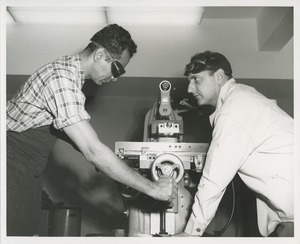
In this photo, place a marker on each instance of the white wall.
(162, 51)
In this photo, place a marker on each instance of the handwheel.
(167, 165)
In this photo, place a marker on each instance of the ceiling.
(231, 12)
(167, 36)
(153, 15)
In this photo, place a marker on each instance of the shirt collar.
(221, 98)
(80, 68)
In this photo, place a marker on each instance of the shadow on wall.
(97, 196)
(137, 127)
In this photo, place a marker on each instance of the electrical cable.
(219, 233)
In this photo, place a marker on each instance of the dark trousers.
(27, 155)
(284, 229)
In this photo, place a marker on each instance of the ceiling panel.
(142, 15)
(231, 12)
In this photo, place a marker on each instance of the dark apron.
(27, 155)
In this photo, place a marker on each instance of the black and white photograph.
(149, 121)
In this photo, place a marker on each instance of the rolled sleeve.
(60, 123)
(66, 103)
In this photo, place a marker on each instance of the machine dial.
(167, 165)
(165, 85)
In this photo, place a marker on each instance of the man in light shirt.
(251, 136)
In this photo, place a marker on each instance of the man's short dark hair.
(115, 39)
(210, 61)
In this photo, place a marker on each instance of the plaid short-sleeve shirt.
(52, 95)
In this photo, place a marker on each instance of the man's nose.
(190, 87)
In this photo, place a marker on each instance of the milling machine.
(162, 153)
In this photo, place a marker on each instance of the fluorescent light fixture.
(59, 15)
(9, 18)
(160, 15)
(123, 15)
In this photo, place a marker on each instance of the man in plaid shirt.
(52, 100)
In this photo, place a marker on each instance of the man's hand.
(165, 189)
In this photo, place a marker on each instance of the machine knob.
(167, 165)
(165, 85)
(167, 170)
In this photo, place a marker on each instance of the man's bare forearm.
(104, 159)
(107, 162)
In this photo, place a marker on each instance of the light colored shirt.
(253, 137)
(52, 95)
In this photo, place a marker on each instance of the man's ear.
(98, 53)
(220, 76)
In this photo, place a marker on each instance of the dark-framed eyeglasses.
(117, 69)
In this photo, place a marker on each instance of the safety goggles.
(117, 69)
(197, 67)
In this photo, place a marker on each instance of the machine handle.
(167, 165)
